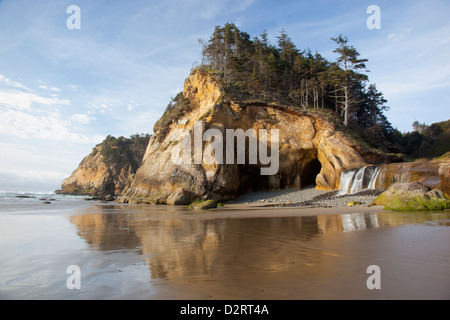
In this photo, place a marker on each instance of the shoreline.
(256, 204)
(246, 211)
(256, 209)
(305, 197)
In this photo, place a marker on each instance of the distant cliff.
(109, 168)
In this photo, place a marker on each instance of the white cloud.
(74, 87)
(47, 176)
(50, 88)
(24, 100)
(131, 105)
(399, 35)
(25, 125)
(10, 83)
(410, 61)
(38, 165)
(392, 36)
(82, 118)
(99, 107)
(24, 114)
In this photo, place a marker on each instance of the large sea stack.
(311, 148)
(108, 169)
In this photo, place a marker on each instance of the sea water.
(162, 252)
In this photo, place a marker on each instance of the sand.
(239, 251)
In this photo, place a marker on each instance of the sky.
(63, 90)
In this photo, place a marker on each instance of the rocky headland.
(108, 170)
(313, 151)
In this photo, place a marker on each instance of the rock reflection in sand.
(182, 247)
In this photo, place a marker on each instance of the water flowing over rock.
(354, 181)
(434, 174)
(311, 149)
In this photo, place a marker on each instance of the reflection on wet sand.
(235, 253)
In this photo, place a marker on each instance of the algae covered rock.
(203, 205)
(413, 196)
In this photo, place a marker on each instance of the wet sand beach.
(239, 251)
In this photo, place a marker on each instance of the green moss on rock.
(202, 205)
(412, 197)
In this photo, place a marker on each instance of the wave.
(33, 195)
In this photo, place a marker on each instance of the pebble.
(308, 196)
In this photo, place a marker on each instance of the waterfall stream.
(381, 176)
(354, 181)
(370, 178)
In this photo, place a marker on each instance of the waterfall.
(354, 181)
(374, 180)
(373, 177)
(346, 181)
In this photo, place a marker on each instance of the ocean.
(65, 247)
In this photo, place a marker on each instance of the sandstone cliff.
(108, 169)
(311, 149)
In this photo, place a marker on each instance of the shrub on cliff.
(175, 109)
(121, 151)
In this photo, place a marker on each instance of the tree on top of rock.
(256, 70)
(348, 75)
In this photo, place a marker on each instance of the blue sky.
(62, 91)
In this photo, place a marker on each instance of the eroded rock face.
(444, 176)
(310, 150)
(432, 173)
(412, 196)
(101, 175)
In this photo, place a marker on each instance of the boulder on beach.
(110, 197)
(413, 196)
(203, 205)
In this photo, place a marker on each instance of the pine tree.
(350, 64)
(258, 70)
(374, 105)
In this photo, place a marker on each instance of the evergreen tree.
(374, 106)
(258, 70)
(348, 75)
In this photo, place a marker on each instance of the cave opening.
(251, 179)
(310, 172)
(109, 188)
